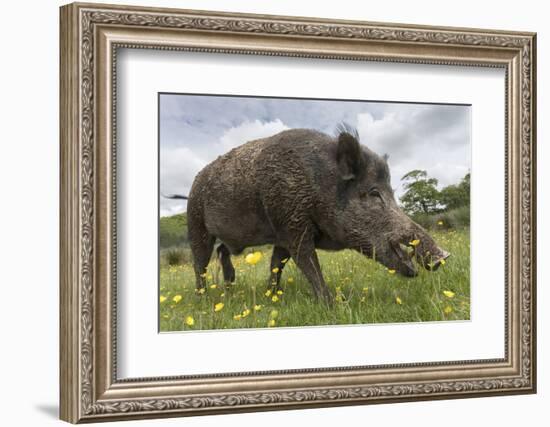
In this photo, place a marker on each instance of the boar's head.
(368, 218)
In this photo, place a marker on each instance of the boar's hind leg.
(225, 260)
(201, 247)
(279, 255)
(305, 257)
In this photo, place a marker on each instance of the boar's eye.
(375, 193)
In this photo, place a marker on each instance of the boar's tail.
(175, 196)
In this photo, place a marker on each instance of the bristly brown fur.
(345, 127)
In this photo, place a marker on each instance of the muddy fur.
(301, 190)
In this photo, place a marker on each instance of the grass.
(176, 256)
(457, 218)
(366, 292)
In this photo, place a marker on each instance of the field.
(365, 292)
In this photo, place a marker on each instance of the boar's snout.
(438, 260)
(432, 259)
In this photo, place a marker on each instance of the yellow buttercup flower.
(290, 280)
(275, 270)
(365, 290)
(162, 299)
(449, 294)
(218, 306)
(253, 258)
(414, 242)
(279, 292)
(189, 321)
(257, 307)
(237, 317)
(439, 222)
(448, 310)
(398, 300)
(177, 298)
(268, 293)
(271, 323)
(246, 312)
(274, 298)
(391, 271)
(442, 262)
(213, 286)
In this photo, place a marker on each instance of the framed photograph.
(266, 212)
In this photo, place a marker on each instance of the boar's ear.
(349, 156)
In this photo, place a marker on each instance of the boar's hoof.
(326, 296)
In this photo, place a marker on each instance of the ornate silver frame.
(90, 35)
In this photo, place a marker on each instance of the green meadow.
(365, 291)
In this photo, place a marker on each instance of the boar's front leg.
(305, 257)
(280, 254)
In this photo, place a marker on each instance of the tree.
(456, 196)
(421, 193)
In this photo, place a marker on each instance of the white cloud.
(249, 131)
(384, 135)
(426, 138)
(178, 168)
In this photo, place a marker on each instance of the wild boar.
(302, 190)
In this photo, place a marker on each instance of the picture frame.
(91, 36)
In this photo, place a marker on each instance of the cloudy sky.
(195, 129)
